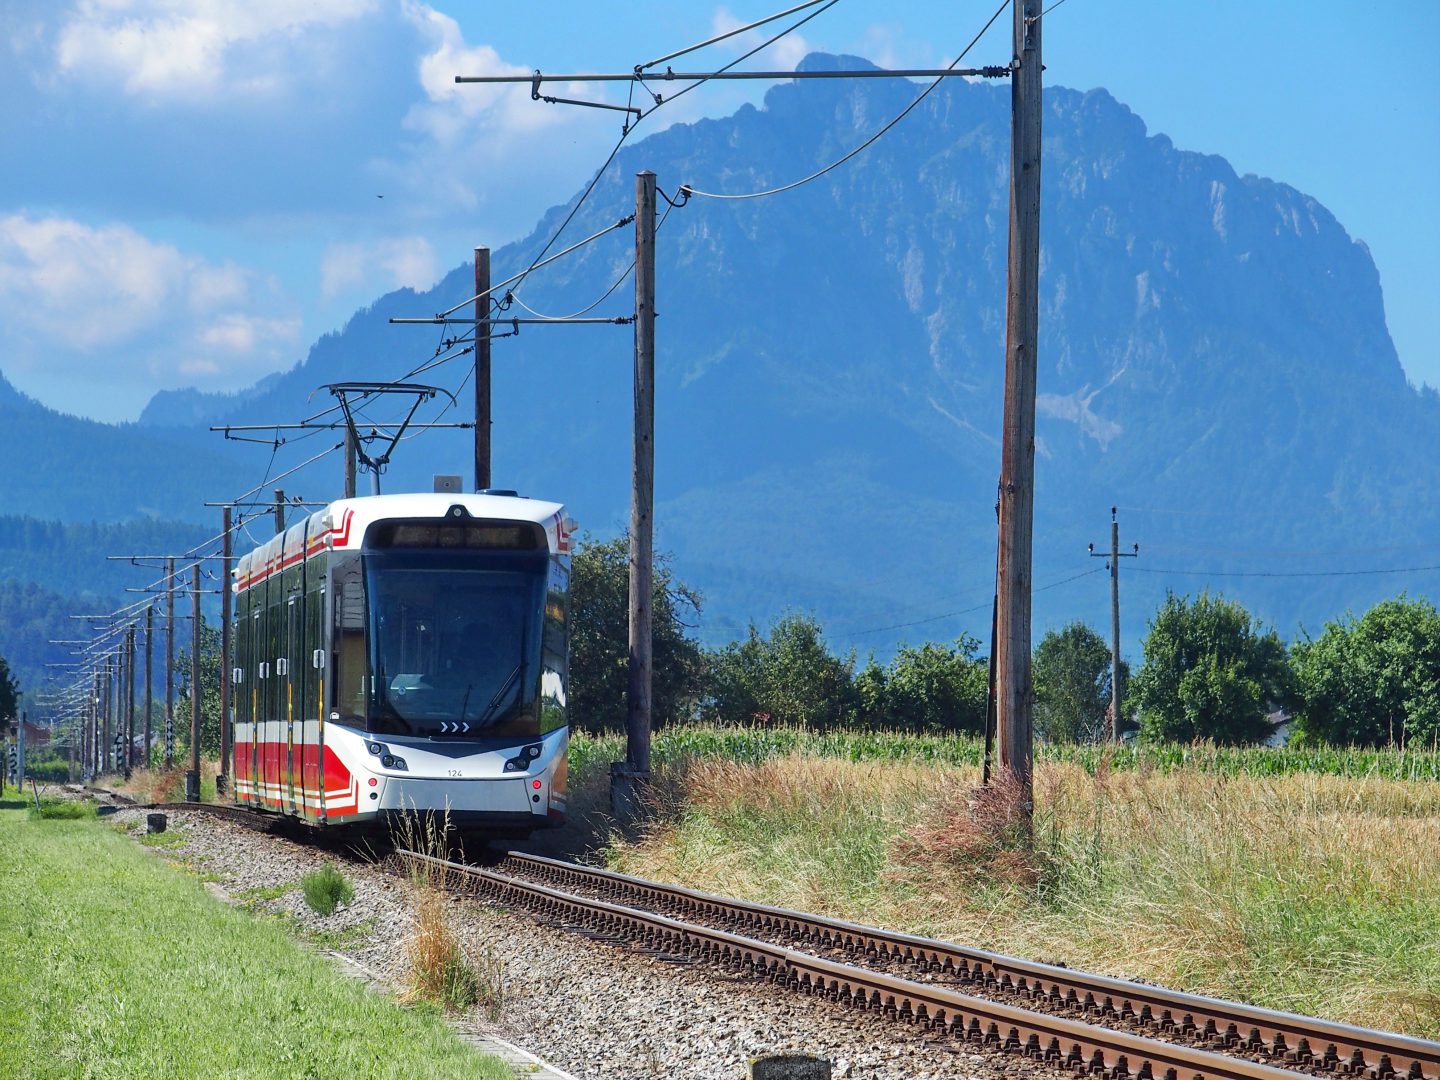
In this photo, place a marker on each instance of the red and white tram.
(406, 653)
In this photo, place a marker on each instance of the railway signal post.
(629, 777)
(1015, 697)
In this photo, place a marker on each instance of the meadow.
(118, 965)
(1299, 880)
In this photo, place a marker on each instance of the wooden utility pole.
(482, 368)
(1117, 696)
(222, 782)
(106, 744)
(279, 511)
(350, 449)
(93, 734)
(129, 699)
(1015, 695)
(634, 772)
(169, 663)
(149, 678)
(192, 778)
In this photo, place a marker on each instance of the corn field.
(754, 745)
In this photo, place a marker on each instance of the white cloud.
(168, 48)
(393, 263)
(454, 109)
(77, 298)
(239, 334)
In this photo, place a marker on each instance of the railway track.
(1089, 1024)
(1285, 1039)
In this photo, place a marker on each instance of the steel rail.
(1299, 1040)
(1057, 1040)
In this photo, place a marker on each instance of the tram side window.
(241, 663)
(349, 642)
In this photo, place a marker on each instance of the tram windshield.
(455, 642)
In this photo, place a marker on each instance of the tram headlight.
(375, 748)
(390, 761)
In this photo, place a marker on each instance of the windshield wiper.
(499, 695)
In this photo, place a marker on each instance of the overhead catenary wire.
(729, 34)
(867, 143)
(670, 204)
(630, 127)
(1284, 573)
(515, 278)
(659, 101)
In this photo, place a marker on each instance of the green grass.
(754, 745)
(60, 809)
(117, 966)
(326, 888)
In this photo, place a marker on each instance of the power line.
(1283, 573)
(629, 127)
(739, 59)
(873, 138)
(731, 33)
(670, 204)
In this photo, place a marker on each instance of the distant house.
(36, 736)
(1279, 721)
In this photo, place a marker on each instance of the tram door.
(254, 686)
(290, 682)
(274, 696)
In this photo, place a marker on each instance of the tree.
(937, 688)
(599, 638)
(789, 677)
(1210, 673)
(210, 675)
(1072, 685)
(1373, 680)
(9, 697)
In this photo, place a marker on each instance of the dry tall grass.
(159, 784)
(1311, 893)
(443, 969)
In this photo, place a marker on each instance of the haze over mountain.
(1213, 359)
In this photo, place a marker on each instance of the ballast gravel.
(595, 1009)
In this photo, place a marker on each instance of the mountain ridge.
(1213, 359)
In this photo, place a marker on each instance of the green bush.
(60, 809)
(326, 888)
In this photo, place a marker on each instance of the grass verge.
(123, 968)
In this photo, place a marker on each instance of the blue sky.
(190, 195)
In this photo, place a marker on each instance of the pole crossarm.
(537, 78)
(442, 320)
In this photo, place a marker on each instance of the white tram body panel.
(406, 653)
